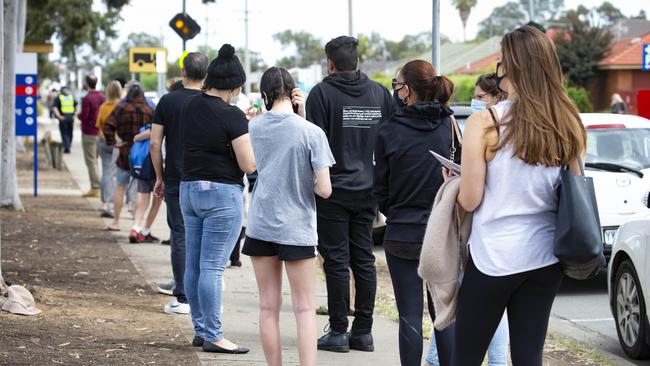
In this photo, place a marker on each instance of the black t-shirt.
(208, 126)
(168, 114)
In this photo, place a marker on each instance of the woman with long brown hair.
(509, 179)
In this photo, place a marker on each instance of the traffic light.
(184, 26)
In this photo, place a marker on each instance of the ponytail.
(441, 89)
(421, 77)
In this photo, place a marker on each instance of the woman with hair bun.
(407, 178)
(217, 152)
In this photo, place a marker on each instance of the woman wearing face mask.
(216, 153)
(486, 93)
(407, 178)
(524, 139)
(293, 159)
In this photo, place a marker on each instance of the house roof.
(625, 54)
(630, 28)
(480, 65)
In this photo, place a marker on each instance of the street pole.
(350, 29)
(247, 53)
(435, 37)
(531, 10)
(183, 13)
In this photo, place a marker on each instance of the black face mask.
(399, 102)
(499, 78)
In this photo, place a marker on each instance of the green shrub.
(383, 79)
(463, 87)
(580, 97)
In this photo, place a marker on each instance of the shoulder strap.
(455, 131)
(495, 120)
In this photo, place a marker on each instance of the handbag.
(578, 239)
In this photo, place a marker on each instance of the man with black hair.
(90, 133)
(349, 107)
(536, 25)
(166, 124)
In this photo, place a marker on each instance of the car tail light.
(611, 125)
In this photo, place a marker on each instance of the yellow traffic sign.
(147, 59)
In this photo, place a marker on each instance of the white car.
(618, 160)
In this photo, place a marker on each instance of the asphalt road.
(585, 305)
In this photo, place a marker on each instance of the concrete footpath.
(240, 318)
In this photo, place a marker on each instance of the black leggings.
(528, 297)
(410, 305)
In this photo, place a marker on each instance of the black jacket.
(349, 107)
(407, 176)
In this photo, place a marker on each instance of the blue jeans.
(108, 155)
(497, 350)
(212, 213)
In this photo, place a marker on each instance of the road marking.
(592, 320)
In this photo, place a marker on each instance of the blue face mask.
(478, 105)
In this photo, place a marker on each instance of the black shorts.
(260, 248)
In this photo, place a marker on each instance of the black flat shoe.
(361, 342)
(211, 347)
(198, 341)
(334, 342)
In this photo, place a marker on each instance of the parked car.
(628, 274)
(618, 160)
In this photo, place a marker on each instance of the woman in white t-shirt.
(293, 159)
(511, 161)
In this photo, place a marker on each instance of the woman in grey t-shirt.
(293, 159)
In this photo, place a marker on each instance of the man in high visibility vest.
(64, 110)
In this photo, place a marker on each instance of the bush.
(383, 79)
(463, 87)
(580, 97)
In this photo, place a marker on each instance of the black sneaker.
(236, 263)
(361, 342)
(166, 242)
(198, 341)
(334, 342)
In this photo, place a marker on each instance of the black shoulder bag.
(578, 239)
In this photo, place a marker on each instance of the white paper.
(455, 168)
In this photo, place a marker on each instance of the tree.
(514, 14)
(502, 20)
(641, 15)
(581, 46)
(73, 22)
(409, 46)
(609, 14)
(464, 8)
(371, 48)
(308, 49)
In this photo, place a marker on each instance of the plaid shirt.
(126, 120)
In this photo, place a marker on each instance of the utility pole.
(247, 53)
(531, 10)
(350, 29)
(183, 14)
(435, 37)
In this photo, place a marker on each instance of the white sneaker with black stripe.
(175, 307)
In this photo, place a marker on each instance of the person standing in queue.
(293, 160)
(167, 126)
(524, 139)
(349, 107)
(216, 153)
(407, 178)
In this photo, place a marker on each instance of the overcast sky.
(223, 21)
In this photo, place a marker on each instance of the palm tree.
(464, 8)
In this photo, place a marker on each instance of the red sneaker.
(134, 237)
(149, 239)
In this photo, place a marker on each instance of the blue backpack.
(140, 160)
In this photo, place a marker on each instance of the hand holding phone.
(298, 101)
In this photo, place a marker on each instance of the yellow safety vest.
(67, 104)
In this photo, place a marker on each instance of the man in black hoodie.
(349, 107)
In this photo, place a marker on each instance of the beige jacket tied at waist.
(444, 246)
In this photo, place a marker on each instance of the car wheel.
(630, 312)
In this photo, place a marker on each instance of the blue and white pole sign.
(646, 57)
(26, 71)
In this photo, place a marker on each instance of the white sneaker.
(175, 307)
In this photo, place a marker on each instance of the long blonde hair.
(543, 125)
(113, 91)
